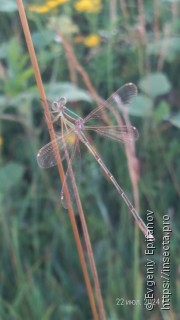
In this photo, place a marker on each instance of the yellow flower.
(47, 6)
(92, 40)
(51, 4)
(55, 3)
(90, 6)
(38, 9)
(1, 140)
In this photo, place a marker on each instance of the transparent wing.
(122, 97)
(71, 173)
(118, 133)
(46, 156)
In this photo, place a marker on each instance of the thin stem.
(165, 48)
(142, 22)
(76, 66)
(72, 70)
(124, 9)
(156, 21)
(59, 163)
(74, 61)
(134, 176)
(86, 238)
(113, 11)
(174, 8)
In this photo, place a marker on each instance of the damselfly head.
(62, 101)
(54, 106)
(58, 105)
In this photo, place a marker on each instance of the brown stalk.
(72, 69)
(134, 177)
(174, 10)
(72, 61)
(142, 18)
(131, 156)
(132, 164)
(142, 29)
(133, 168)
(124, 10)
(156, 20)
(59, 163)
(130, 151)
(13, 118)
(71, 57)
(113, 10)
(86, 239)
(165, 48)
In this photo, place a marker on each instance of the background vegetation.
(116, 42)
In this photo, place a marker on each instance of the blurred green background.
(116, 42)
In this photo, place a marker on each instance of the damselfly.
(77, 126)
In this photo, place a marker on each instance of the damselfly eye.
(62, 101)
(55, 106)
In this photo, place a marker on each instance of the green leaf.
(141, 106)
(10, 175)
(68, 90)
(161, 112)
(23, 98)
(171, 47)
(4, 49)
(8, 6)
(43, 38)
(3, 103)
(155, 84)
(24, 76)
(175, 120)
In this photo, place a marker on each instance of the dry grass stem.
(130, 151)
(76, 65)
(156, 20)
(165, 48)
(72, 60)
(113, 10)
(145, 63)
(59, 163)
(124, 9)
(174, 7)
(142, 19)
(87, 241)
